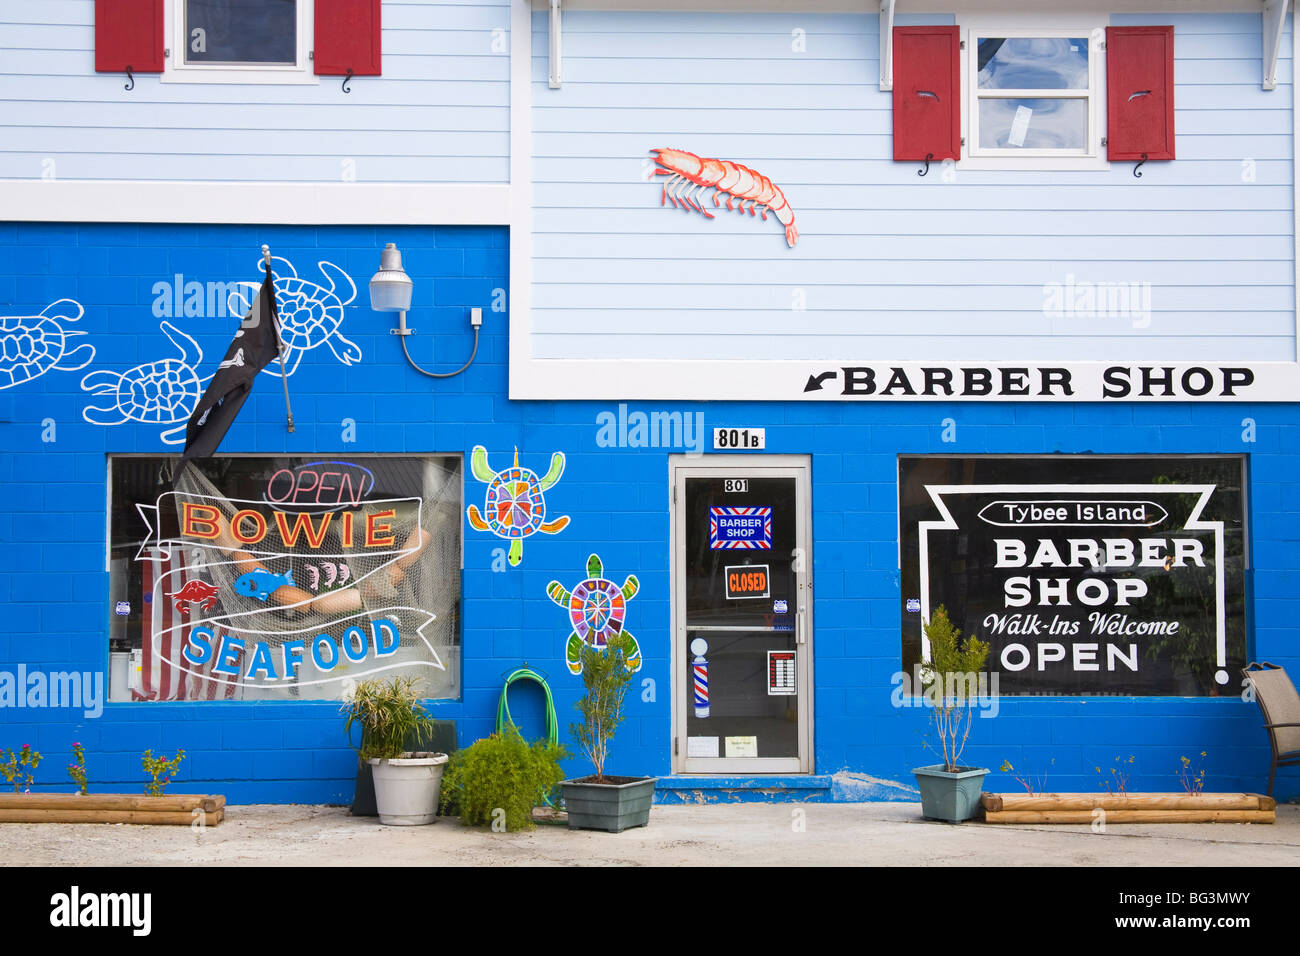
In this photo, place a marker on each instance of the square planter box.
(953, 797)
(612, 807)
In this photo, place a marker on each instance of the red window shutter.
(927, 93)
(129, 35)
(348, 37)
(1140, 93)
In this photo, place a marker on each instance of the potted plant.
(498, 780)
(599, 801)
(406, 782)
(950, 791)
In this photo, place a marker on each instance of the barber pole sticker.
(740, 528)
(700, 672)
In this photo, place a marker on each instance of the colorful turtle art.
(596, 609)
(156, 393)
(31, 345)
(310, 315)
(515, 506)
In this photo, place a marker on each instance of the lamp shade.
(390, 288)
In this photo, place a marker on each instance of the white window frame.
(1038, 25)
(176, 70)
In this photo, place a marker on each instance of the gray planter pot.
(612, 807)
(953, 797)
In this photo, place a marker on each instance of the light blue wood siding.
(890, 265)
(440, 112)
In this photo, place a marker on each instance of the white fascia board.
(846, 380)
(912, 6)
(319, 204)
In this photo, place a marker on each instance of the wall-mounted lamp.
(390, 291)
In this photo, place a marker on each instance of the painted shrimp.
(688, 175)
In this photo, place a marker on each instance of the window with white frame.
(1035, 97)
(239, 41)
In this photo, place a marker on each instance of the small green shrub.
(498, 780)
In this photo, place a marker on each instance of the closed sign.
(748, 581)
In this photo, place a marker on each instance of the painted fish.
(261, 583)
(193, 592)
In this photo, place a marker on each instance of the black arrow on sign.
(815, 381)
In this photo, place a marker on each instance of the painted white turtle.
(31, 345)
(310, 315)
(156, 393)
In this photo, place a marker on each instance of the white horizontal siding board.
(440, 112)
(918, 273)
(561, 171)
(794, 121)
(886, 260)
(247, 169)
(798, 346)
(416, 143)
(825, 224)
(421, 67)
(1047, 198)
(734, 324)
(598, 249)
(755, 149)
(17, 88)
(948, 298)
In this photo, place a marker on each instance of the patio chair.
(1280, 705)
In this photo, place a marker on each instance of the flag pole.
(279, 343)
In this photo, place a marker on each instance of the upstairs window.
(229, 32)
(1034, 96)
(240, 41)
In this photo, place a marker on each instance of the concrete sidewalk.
(749, 834)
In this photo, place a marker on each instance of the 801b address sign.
(750, 439)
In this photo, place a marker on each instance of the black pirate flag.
(255, 346)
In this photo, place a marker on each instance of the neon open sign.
(320, 484)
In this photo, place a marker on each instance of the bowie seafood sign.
(268, 614)
(1080, 588)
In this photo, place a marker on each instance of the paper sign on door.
(780, 673)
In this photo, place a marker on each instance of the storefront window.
(1088, 575)
(283, 578)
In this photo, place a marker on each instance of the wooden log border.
(1129, 808)
(177, 810)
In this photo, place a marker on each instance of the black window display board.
(1088, 575)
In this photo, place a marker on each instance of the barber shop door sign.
(740, 528)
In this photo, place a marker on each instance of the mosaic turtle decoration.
(515, 506)
(596, 609)
(156, 393)
(31, 345)
(311, 315)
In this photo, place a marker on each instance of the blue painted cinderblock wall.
(55, 601)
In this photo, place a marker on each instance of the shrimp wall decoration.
(689, 176)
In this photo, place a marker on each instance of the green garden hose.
(552, 721)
